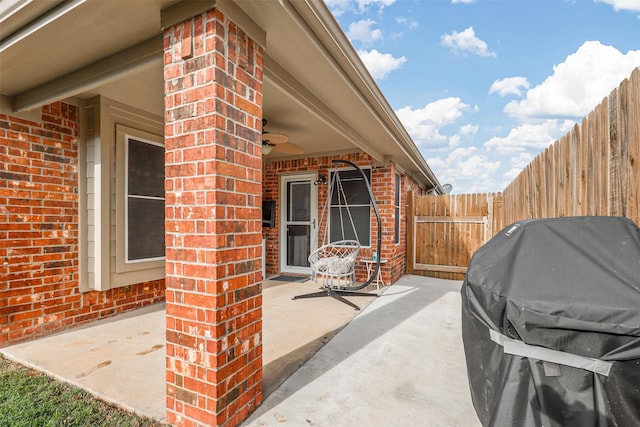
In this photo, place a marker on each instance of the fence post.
(411, 232)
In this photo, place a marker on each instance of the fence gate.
(444, 231)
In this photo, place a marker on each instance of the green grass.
(29, 398)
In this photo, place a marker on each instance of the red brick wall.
(39, 289)
(383, 187)
(213, 98)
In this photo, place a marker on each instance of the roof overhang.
(317, 91)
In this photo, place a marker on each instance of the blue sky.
(483, 86)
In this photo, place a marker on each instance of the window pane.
(341, 230)
(397, 237)
(145, 215)
(145, 228)
(145, 169)
(357, 203)
(299, 201)
(353, 186)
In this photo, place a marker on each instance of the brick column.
(213, 104)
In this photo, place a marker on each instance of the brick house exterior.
(39, 210)
(384, 190)
(67, 246)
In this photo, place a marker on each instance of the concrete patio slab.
(122, 359)
(400, 362)
(397, 362)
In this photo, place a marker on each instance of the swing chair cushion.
(335, 260)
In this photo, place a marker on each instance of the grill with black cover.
(551, 324)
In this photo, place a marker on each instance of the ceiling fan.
(277, 142)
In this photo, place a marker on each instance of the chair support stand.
(337, 294)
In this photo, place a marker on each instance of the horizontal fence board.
(452, 219)
(441, 268)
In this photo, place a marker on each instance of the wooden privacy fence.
(443, 232)
(593, 170)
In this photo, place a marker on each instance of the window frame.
(397, 209)
(123, 263)
(331, 206)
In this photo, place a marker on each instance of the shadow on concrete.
(277, 371)
(397, 304)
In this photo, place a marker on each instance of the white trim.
(10, 7)
(35, 25)
(313, 194)
(123, 135)
(397, 225)
(127, 138)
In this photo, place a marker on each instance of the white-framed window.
(140, 207)
(121, 186)
(350, 199)
(144, 207)
(396, 205)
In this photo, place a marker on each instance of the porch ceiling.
(316, 90)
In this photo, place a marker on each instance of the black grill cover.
(566, 284)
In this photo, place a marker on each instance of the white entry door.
(299, 201)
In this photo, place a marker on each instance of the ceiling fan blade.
(274, 138)
(288, 148)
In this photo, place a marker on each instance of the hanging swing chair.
(333, 263)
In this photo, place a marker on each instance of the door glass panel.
(298, 243)
(299, 201)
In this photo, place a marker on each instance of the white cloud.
(410, 23)
(424, 124)
(362, 31)
(632, 5)
(578, 84)
(510, 86)
(338, 7)
(462, 1)
(380, 64)
(466, 42)
(466, 169)
(379, 4)
(469, 130)
(464, 132)
(530, 137)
